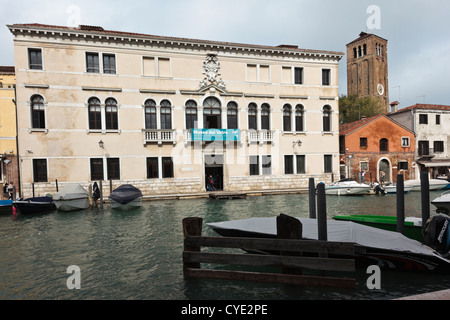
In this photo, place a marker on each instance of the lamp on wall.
(298, 143)
(101, 144)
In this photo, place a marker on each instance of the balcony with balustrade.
(261, 136)
(159, 136)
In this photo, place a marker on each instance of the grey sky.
(417, 31)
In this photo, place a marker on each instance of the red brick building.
(376, 145)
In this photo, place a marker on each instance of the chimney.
(394, 106)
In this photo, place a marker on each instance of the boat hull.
(434, 184)
(72, 204)
(347, 191)
(412, 226)
(136, 203)
(393, 189)
(6, 207)
(442, 203)
(413, 256)
(35, 206)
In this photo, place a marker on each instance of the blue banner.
(216, 134)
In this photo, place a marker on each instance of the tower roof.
(364, 35)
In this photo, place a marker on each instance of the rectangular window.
(326, 79)
(298, 75)
(164, 67)
(113, 165)
(424, 148)
(328, 163)
(152, 168)
(403, 165)
(286, 75)
(109, 63)
(405, 141)
(149, 66)
(266, 165)
(254, 165)
(264, 74)
(40, 170)
(438, 119)
(363, 143)
(423, 119)
(301, 164)
(92, 62)
(438, 146)
(97, 169)
(288, 164)
(35, 59)
(167, 167)
(251, 73)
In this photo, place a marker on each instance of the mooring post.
(425, 193)
(400, 204)
(101, 194)
(321, 212)
(312, 199)
(289, 228)
(56, 182)
(192, 227)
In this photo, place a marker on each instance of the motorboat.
(392, 188)
(412, 225)
(347, 187)
(373, 246)
(71, 198)
(126, 197)
(435, 184)
(35, 205)
(6, 206)
(442, 203)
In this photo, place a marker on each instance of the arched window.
(150, 114)
(232, 119)
(384, 145)
(111, 112)
(95, 114)
(252, 116)
(166, 114)
(265, 117)
(212, 113)
(287, 111)
(37, 112)
(299, 111)
(191, 114)
(326, 118)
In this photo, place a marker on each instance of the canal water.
(138, 254)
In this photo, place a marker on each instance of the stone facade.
(163, 113)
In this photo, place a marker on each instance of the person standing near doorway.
(5, 191)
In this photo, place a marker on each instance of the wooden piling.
(312, 199)
(192, 227)
(289, 228)
(101, 194)
(425, 193)
(321, 212)
(400, 204)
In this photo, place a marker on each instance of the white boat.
(442, 203)
(126, 197)
(435, 184)
(72, 197)
(392, 188)
(347, 187)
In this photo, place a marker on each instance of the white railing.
(261, 136)
(159, 136)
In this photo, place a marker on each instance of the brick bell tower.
(367, 68)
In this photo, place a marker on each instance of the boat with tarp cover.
(373, 246)
(126, 197)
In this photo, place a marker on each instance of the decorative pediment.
(211, 70)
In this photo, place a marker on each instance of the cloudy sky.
(417, 30)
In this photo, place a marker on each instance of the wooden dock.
(227, 195)
(288, 255)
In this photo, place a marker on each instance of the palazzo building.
(164, 113)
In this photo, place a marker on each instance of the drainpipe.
(19, 183)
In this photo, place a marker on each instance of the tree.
(353, 108)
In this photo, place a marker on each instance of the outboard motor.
(436, 233)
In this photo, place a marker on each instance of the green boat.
(412, 229)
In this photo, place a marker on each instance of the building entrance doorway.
(214, 169)
(384, 172)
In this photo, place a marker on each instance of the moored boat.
(434, 184)
(392, 188)
(71, 198)
(35, 205)
(412, 226)
(442, 203)
(347, 187)
(126, 197)
(373, 246)
(6, 206)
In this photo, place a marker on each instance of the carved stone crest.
(211, 70)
